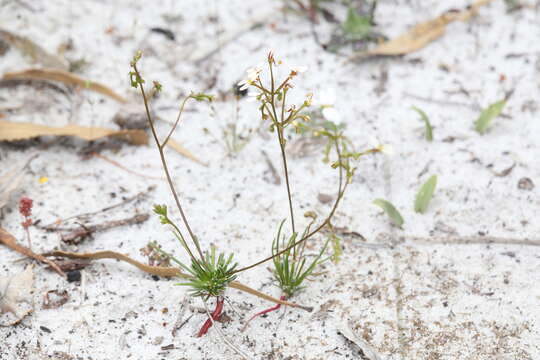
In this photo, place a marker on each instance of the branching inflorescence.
(209, 273)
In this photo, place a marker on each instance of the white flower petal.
(326, 98)
(299, 69)
(387, 149)
(331, 114)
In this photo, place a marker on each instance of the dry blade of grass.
(65, 77)
(33, 50)
(10, 131)
(185, 152)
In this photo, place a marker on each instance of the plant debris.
(29, 48)
(167, 272)
(185, 152)
(53, 299)
(66, 78)
(10, 131)
(14, 291)
(8, 240)
(421, 34)
(525, 184)
(155, 257)
(368, 353)
(77, 235)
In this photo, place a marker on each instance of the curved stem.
(341, 190)
(177, 120)
(166, 169)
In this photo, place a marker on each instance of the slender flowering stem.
(160, 147)
(341, 190)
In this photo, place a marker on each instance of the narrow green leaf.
(425, 194)
(429, 129)
(390, 210)
(488, 114)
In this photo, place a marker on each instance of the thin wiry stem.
(281, 138)
(166, 169)
(177, 121)
(284, 160)
(341, 190)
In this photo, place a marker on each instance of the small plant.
(25, 209)
(210, 273)
(291, 265)
(155, 256)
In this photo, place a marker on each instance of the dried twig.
(8, 240)
(138, 196)
(465, 240)
(166, 272)
(77, 235)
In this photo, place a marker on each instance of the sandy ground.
(458, 282)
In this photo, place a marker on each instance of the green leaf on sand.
(429, 129)
(390, 210)
(488, 114)
(425, 194)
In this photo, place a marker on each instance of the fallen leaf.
(10, 131)
(421, 34)
(14, 291)
(185, 152)
(66, 78)
(33, 50)
(369, 353)
(425, 194)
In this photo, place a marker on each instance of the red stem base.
(214, 315)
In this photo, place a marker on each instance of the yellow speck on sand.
(43, 179)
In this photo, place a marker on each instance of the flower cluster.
(273, 96)
(25, 209)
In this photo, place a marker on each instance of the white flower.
(327, 97)
(252, 75)
(331, 114)
(383, 148)
(326, 101)
(253, 95)
(295, 70)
